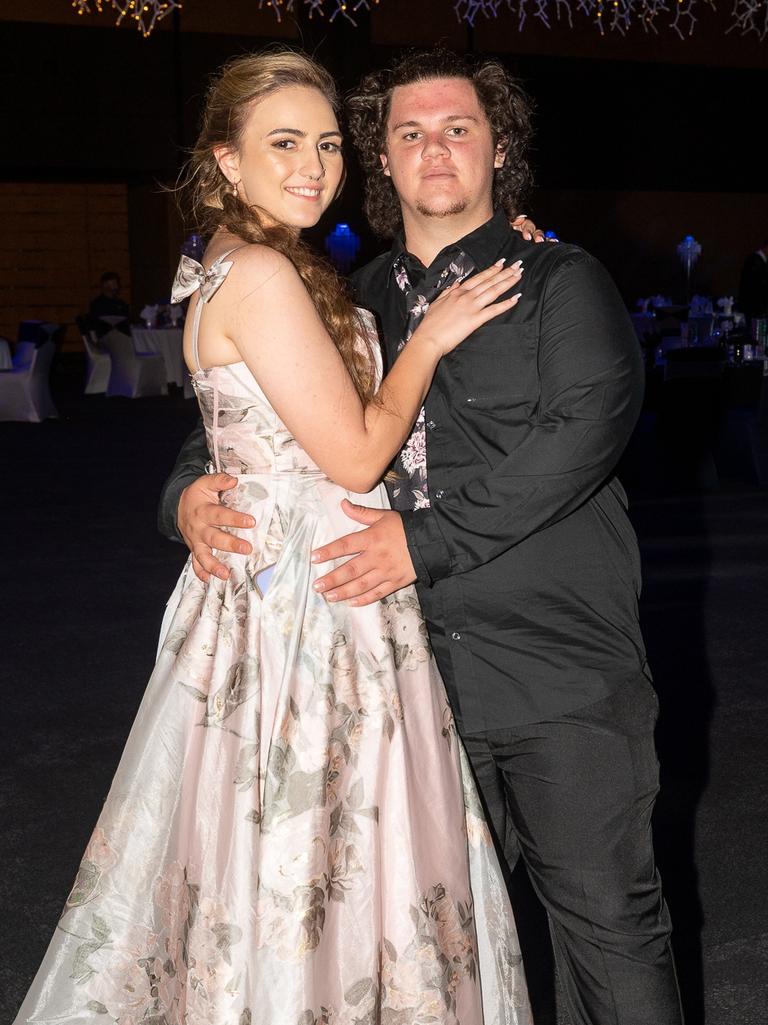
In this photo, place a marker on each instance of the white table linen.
(168, 342)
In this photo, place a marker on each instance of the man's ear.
(385, 164)
(229, 162)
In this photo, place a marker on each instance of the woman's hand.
(529, 231)
(467, 305)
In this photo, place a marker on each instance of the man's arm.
(190, 464)
(591, 393)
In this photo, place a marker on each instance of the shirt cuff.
(426, 545)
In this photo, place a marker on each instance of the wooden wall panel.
(55, 242)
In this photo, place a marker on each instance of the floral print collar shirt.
(410, 489)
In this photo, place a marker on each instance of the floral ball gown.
(293, 836)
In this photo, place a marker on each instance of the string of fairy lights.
(345, 8)
(681, 16)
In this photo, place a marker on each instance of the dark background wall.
(639, 141)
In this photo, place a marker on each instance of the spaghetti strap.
(195, 333)
(191, 277)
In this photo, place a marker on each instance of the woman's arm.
(275, 327)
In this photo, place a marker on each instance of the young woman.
(292, 836)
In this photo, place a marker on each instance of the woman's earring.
(234, 188)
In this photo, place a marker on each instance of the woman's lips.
(303, 193)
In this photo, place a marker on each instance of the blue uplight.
(342, 245)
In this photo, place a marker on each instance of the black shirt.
(108, 306)
(528, 568)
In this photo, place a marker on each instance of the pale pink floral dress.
(292, 836)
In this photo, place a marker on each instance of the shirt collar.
(483, 245)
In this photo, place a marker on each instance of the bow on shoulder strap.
(191, 275)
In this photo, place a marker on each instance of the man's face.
(439, 150)
(111, 288)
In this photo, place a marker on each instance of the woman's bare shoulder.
(256, 265)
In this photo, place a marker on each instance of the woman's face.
(289, 164)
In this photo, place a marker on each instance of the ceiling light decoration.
(620, 16)
(330, 10)
(750, 16)
(144, 13)
(681, 16)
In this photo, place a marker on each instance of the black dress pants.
(573, 797)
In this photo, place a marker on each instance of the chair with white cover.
(24, 391)
(98, 366)
(133, 375)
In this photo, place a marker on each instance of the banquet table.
(167, 341)
(5, 355)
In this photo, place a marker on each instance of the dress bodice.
(245, 434)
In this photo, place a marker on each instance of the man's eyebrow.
(452, 117)
(299, 134)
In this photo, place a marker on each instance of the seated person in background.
(109, 304)
(753, 284)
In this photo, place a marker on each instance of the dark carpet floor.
(85, 578)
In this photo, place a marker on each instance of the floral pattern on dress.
(267, 854)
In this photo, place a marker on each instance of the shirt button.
(456, 636)
(439, 493)
(431, 425)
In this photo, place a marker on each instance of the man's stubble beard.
(457, 207)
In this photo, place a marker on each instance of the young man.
(508, 517)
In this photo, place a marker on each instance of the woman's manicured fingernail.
(319, 586)
(501, 262)
(332, 596)
(515, 297)
(517, 265)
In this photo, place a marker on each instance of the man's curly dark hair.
(501, 97)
